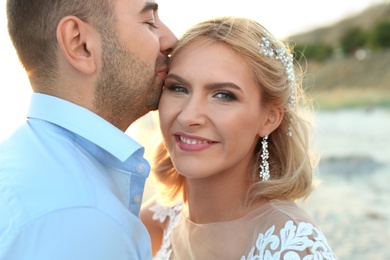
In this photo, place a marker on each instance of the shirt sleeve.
(77, 233)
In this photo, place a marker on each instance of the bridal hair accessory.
(264, 166)
(272, 48)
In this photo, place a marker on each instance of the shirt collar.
(84, 123)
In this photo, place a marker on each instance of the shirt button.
(137, 199)
(140, 167)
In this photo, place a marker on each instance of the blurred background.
(344, 49)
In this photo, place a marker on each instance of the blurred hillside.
(354, 77)
(332, 34)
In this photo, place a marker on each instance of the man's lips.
(163, 71)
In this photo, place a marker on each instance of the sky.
(282, 18)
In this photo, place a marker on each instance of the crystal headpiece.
(272, 48)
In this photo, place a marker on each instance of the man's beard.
(127, 88)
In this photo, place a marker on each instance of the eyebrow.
(208, 86)
(177, 78)
(223, 85)
(150, 6)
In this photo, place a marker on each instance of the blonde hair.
(290, 162)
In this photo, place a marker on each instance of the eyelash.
(177, 89)
(152, 24)
(226, 95)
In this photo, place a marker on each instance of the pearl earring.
(264, 166)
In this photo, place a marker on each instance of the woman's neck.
(216, 199)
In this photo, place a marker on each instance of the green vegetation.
(352, 40)
(380, 37)
(317, 51)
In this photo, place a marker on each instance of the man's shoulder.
(39, 176)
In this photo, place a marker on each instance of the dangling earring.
(264, 166)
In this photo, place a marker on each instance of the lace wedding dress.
(277, 230)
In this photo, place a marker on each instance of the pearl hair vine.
(270, 47)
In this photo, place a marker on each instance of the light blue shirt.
(71, 186)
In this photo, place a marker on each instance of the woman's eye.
(177, 89)
(226, 96)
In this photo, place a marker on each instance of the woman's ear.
(78, 43)
(274, 117)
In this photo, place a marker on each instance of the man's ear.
(78, 43)
(273, 119)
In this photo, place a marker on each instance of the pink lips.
(163, 72)
(192, 143)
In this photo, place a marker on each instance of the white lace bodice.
(289, 239)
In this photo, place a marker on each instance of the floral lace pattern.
(161, 213)
(287, 244)
(291, 240)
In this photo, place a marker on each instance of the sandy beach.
(352, 202)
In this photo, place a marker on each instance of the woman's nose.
(193, 113)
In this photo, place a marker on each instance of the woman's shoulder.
(162, 212)
(281, 211)
(280, 215)
(282, 228)
(160, 219)
(157, 217)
